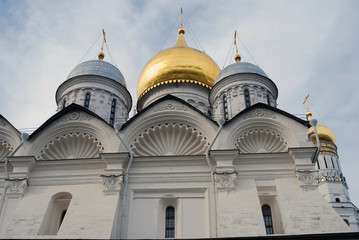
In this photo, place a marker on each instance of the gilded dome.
(324, 134)
(178, 64)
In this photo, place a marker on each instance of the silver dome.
(98, 68)
(241, 67)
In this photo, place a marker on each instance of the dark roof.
(167, 97)
(70, 108)
(266, 106)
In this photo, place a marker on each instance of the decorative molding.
(261, 141)
(112, 182)
(16, 186)
(171, 107)
(226, 180)
(5, 149)
(259, 113)
(75, 116)
(170, 139)
(331, 175)
(70, 146)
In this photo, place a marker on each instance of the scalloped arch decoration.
(170, 139)
(261, 141)
(5, 149)
(70, 146)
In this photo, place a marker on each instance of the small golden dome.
(324, 134)
(178, 64)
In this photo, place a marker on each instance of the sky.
(305, 47)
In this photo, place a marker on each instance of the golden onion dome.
(178, 64)
(324, 134)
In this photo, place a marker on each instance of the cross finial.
(101, 55)
(181, 29)
(237, 57)
(181, 18)
(309, 113)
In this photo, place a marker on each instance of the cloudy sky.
(305, 47)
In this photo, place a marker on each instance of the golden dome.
(178, 64)
(324, 134)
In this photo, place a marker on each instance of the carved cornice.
(5, 149)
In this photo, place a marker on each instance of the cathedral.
(207, 154)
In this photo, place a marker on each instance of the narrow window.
(268, 101)
(225, 108)
(325, 162)
(346, 221)
(170, 222)
(55, 213)
(332, 162)
(112, 113)
(267, 217)
(87, 100)
(318, 164)
(247, 98)
(64, 104)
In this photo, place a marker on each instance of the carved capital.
(308, 178)
(112, 183)
(226, 180)
(16, 186)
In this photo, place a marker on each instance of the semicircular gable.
(260, 141)
(9, 138)
(168, 112)
(170, 139)
(70, 146)
(265, 130)
(74, 135)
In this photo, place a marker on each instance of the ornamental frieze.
(171, 107)
(307, 177)
(260, 113)
(226, 180)
(75, 116)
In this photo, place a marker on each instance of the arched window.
(87, 100)
(268, 100)
(225, 108)
(64, 104)
(267, 217)
(337, 200)
(55, 213)
(346, 221)
(247, 98)
(170, 222)
(112, 113)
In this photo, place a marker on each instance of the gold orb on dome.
(179, 64)
(324, 134)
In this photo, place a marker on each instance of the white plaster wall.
(90, 213)
(239, 212)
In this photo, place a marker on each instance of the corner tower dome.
(175, 67)
(98, 86)
(98, 68)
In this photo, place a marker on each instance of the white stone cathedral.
(208, 154)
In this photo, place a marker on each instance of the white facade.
(68, 180)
